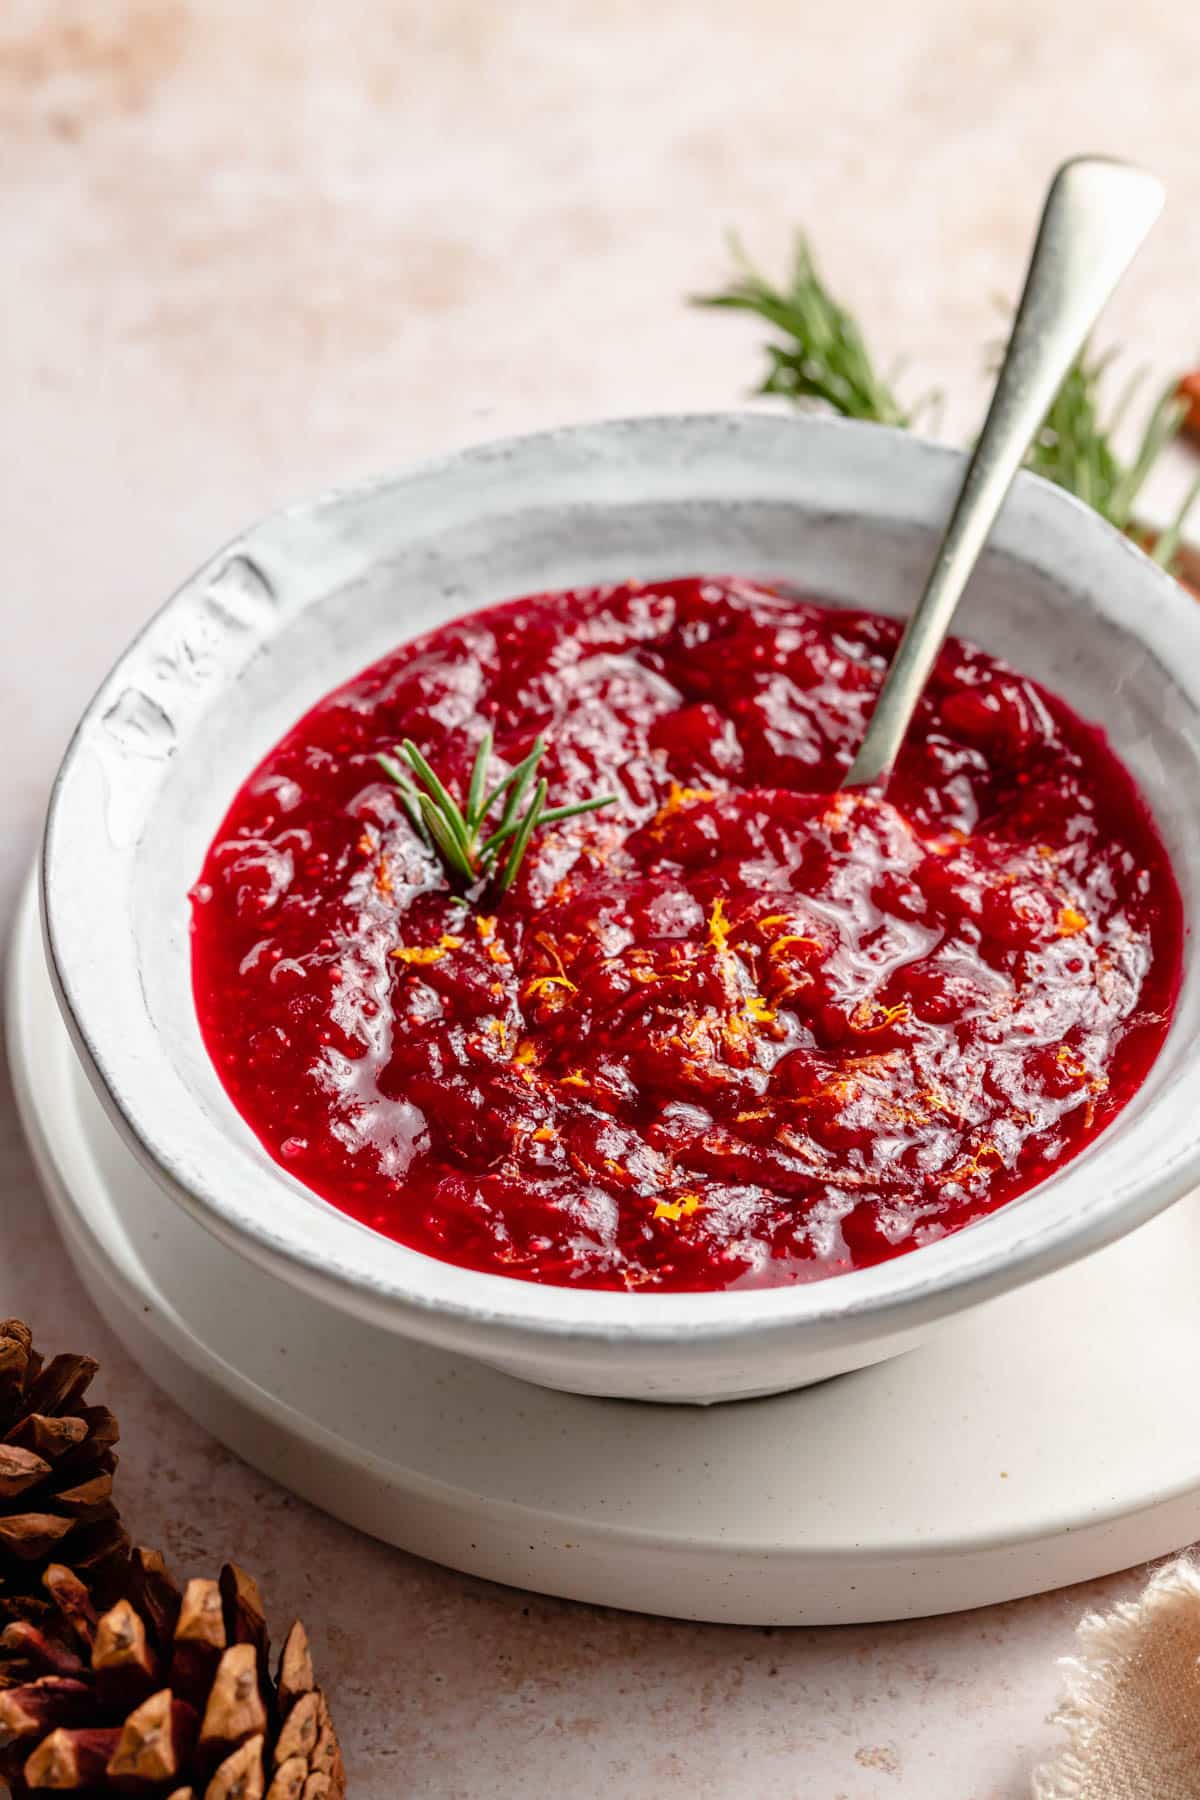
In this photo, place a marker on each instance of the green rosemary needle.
(470, 853)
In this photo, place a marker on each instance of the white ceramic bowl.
(304, 600)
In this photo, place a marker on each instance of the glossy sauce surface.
(739, 1029)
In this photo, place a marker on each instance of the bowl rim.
(1006, 1248)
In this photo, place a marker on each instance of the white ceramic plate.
(305, 599)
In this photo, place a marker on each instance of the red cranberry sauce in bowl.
(736, 1029)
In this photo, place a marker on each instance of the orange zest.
(718, 927)
(677, 1209)
(679, 797)
(429, 953)
(758, 1009)
(871, 1010)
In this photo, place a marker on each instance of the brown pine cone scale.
(168, 1695)
(56, 1471)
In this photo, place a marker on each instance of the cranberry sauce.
(738, 1029)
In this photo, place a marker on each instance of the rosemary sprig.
(1074, 449)
(460, 836)
(824, 357)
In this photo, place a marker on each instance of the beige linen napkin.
(1133, 1699)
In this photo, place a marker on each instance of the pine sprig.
(470, 853)
(823, 357)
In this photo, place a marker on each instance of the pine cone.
(56, 1471)
(167, 1694)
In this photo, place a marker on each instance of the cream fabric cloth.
(1133, 1699)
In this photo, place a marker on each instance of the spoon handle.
(1096, 215)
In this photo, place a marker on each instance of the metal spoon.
(1096, 215)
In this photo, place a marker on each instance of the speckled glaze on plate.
(308, 597)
